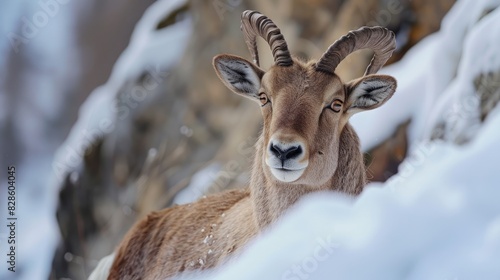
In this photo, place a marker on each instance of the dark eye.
(336, 105)
(263, 99)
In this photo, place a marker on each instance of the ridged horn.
(381, 40)
(254, 23)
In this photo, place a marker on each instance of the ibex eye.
(336, 105)
(263, 99)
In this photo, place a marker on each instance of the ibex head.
(305, 105)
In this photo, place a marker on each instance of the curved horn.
(381, 40)
(254, 23)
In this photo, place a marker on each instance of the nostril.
(293, 152)
(276, 151)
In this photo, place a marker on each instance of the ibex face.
(305, 105)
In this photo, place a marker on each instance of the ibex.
(306, 145)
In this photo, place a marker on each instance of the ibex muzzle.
(286, 157)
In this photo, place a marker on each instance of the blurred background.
(111, 109)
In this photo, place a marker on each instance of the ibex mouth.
(287, 175)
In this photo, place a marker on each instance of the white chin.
(287, 176)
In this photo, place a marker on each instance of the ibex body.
(306, 145)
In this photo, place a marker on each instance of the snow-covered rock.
(429, 70)
(146, 52)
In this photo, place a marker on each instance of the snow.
(32, 111)
(10, 14)
(146, 52)
(439, 217)
(149, 46)
(462, 117)
(423, 75)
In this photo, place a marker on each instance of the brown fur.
(205, 233)
(184, 237)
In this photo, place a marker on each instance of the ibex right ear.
(239, 75)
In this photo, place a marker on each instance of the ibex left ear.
(369, 92)
(239, 75)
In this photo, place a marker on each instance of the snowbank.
(425, 72)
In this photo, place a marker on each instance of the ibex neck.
(271, 198)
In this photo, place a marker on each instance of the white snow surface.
(149, 50)
(457, 107)
(429, 69)
(439, 217)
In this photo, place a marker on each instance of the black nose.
(285, 153)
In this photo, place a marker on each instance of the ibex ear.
(369, 92)
(239, 75)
